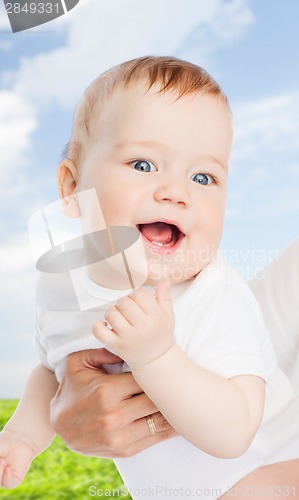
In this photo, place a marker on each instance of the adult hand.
(104, 415)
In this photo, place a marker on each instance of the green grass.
(59, 473)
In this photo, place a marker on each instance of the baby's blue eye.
(204, 179)
(144, 166)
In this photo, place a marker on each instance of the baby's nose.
(174, 192)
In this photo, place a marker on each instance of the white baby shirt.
(220, 327)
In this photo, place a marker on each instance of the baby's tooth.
(158, 243)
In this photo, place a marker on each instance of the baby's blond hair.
(172, 74)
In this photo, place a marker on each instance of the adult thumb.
(91, 358)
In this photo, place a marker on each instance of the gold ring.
(151, 425)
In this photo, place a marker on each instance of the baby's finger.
(145, 299)
(163, 295)
(129, 309)
(10, 479)
(2, 466)
(118, 322)
(105, 334)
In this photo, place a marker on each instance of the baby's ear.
(67, 184)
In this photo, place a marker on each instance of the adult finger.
(140, 428)
(136, 408)
(146, 442)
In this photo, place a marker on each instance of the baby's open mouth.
(161, 234)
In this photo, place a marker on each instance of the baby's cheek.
(215, 219)
(112, 206)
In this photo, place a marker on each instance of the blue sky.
(250, 47)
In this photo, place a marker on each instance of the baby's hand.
(142, 326)
(16, 455)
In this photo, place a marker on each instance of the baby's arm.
(29, 430)
(218, 415)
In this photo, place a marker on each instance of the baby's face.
(161, 165)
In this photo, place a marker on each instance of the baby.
(153, 137)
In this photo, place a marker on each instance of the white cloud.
(228, 21)
(18, 275)
(13, 377)
(4, 22)
(271, 123)
(16, 255)
(265, 169)
(232, 21)
(17, 287)
(6, 45)
(98, 39)
(17, 122)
